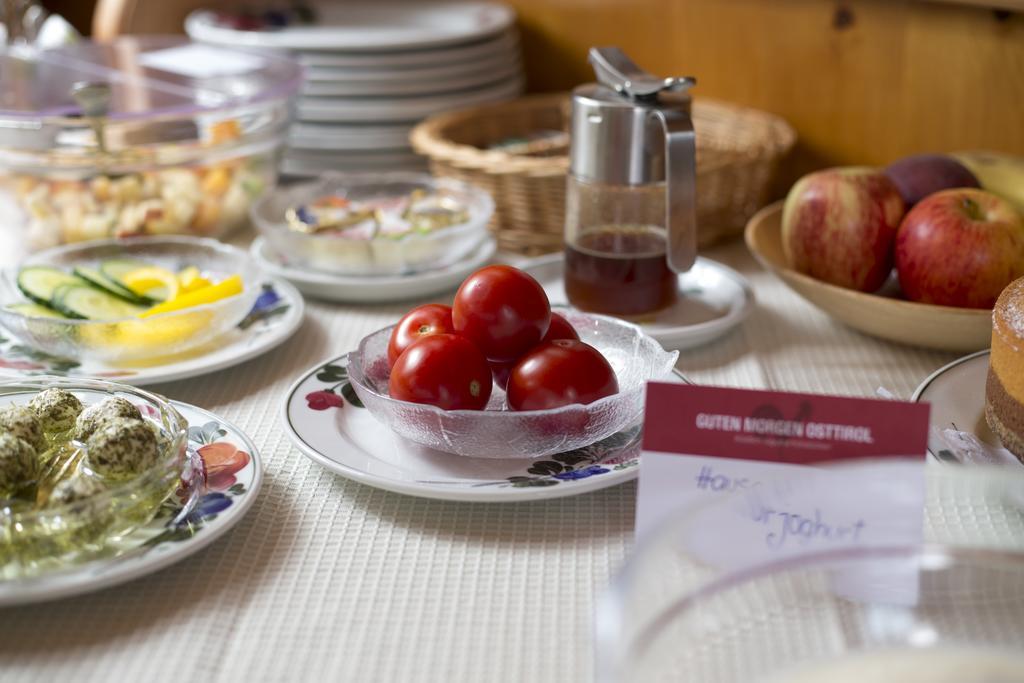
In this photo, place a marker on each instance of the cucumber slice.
(39, 283)
(116, 270)
(98, 279)
(33, 311)
(91, 303)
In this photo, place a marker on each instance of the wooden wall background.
(863, 81)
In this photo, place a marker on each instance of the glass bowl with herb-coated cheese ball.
(82, 462)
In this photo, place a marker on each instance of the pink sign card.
(774, 426)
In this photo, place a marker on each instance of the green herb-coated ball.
(18, 464)
(122, 448)
(56, 409)
(21, 422)
(98, 413)
(76, 488)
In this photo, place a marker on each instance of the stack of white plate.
(374, 69)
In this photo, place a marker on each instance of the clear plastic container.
(36, 534)
(180, 139)
(501, 433)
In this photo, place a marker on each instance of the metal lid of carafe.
(614, 137)
(617, 71)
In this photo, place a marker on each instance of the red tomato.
(560, 373)
(501, 372)
(502, 310)
(560, 328)
(444, 370)
(421, 321)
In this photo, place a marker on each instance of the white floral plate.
(364, 290)
(326, 421)
(274, 317)
(713, 300)
(234, 474)
(959, 432)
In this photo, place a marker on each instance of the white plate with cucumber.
(144, 310)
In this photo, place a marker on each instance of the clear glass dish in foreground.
(920, 612)
(500, 433)
(381, 255)
(34, 539)
(135, 339)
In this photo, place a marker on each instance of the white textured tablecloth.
(326, 579)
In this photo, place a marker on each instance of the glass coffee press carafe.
(630, 222)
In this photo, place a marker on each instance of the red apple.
(960, 248)
(838, 225)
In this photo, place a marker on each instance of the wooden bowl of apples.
(915, 253)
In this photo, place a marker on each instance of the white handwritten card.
(764, 475)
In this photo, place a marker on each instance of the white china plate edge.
(491, 489)
(187, 366)
(548, 270)
(960, 406)
(368, 63)
(374, 26)
(385, 289)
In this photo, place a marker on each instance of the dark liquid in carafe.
(619, 270)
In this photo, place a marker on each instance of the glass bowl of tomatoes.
(499, 432)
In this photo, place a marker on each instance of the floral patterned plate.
(274, 317)
(233, 477)
(326, 421)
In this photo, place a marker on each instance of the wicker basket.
(738, 151)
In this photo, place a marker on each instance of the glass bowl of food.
(82, 462)
(498, 432)
(128, 300)
(374, 223)
(944, 607)
(138, 136)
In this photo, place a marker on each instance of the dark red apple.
(960, 248)
(838, 225)
(920, 175)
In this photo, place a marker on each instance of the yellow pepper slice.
(190, 279)
(153, 281)
(207, 295)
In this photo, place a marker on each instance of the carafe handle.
(680, 187)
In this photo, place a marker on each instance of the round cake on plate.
(1004, 389)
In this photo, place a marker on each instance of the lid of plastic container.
(155, 92)
(148, 77)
